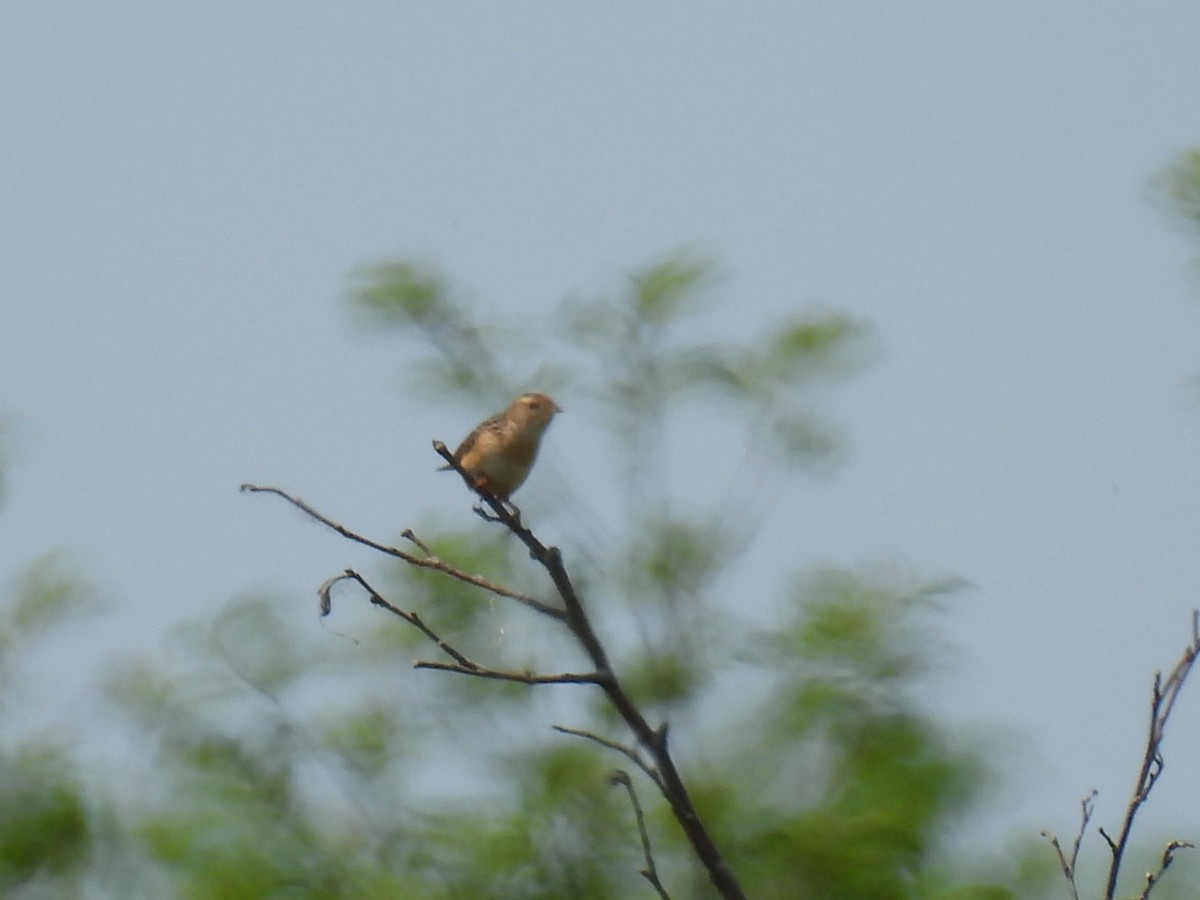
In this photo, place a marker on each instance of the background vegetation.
(275, 759)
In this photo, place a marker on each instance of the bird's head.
(533, 410)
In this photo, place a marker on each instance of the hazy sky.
(187, 190)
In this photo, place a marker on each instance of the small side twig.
(377, 599)
(408, 535)
(1069, 866)
(502, 675)
(428, 561)
(1163, 695)
(461, 663)
(1162, 702)
(650, 872)
(626, 751)
(1168, 857)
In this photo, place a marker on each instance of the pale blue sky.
(187, 190)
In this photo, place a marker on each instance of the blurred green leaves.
(283, 760)
(43, 820)
(414, 299)
(628, 352)
(261, 787)
(403, 294)
(641, 363)
(45, 832)
(834, 784)
(568, 833)
(50, 591)
(863, 786)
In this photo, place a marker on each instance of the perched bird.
(499, 453)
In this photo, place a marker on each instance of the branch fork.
(1163, 694)
(657, 762)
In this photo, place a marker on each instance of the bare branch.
(408, 535)
(650, 872)
(410, 617)
(1168, 857)
(1162, 702)
(629, 752)
(573, 615)
(429, 561)
(470, 668)
(461, 663)
(1069, 866)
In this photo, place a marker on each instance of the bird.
(501, 450)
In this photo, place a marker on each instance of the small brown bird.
(499, 453)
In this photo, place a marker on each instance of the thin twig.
(1168, 857)
(650, 872)
(501, 675)
(408, 535)
(429, 561)
(1162, 702)
(1087, 806)
(461, 663)
(628, 752)
(410, 617)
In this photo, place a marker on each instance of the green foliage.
(364, 739)
(47, 593)
(663, 292)
(858, 785)
(281, 768)
(43, 821)
(641, 367)
(414, 299)
(405, 295)
(568, 834)
(862, 786)
(242, 805)
(237, 827)
(677, 557)
(660, 680)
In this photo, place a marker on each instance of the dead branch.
(1162, 702)
(461, 663)
(629, 752)
(1168, 857)
(650, 872)
(429, 561)
(519, 677)
(1163, 695)
(1069, 866)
